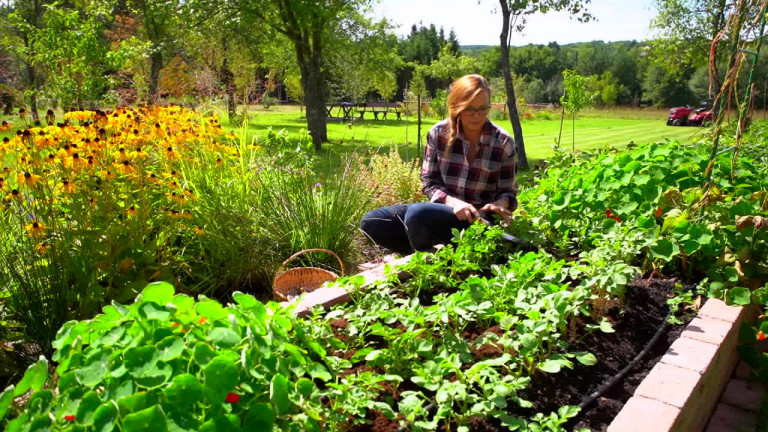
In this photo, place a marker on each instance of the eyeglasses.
(471, 111)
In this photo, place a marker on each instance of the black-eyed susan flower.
(42, 248)
(35, 229)
(190, 194)
(67, 187)
(198, 230)
(175, 197)
(29, 179)
(125, 167)
(14, 194)
(132, 211)
(4, 126)
(109, 175)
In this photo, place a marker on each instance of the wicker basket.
(291, 283)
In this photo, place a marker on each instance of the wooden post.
(418, 130)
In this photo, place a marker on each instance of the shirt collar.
(485, 134)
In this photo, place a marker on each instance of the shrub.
(394, 180)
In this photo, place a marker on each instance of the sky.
(480, 24)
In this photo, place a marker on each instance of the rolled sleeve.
(431, 180)
(507, 185)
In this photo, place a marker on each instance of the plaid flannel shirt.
(491, 176)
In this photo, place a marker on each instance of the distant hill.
(468, 49)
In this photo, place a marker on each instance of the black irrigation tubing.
(616, 378)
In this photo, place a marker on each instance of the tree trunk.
(514, 117)
(154, 74)
(227, 79)
(32, 73)
(313, 83)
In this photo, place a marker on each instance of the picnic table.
(343, 109)
(382, 108)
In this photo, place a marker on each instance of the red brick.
(731, 419)
(669, 384)
(743, 394)
(641, 414)
(718, 309)
(690, 354)
(742, 371)
(708, 329)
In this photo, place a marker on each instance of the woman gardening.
(470, 165)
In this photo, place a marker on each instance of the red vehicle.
(682, 116)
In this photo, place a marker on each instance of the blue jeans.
(404, 228)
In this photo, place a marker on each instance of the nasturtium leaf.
(285, 323)
(568, 411)
(246, 301)
(664, 249)
(731, 274)
(158, 375)
(184, 421)
(95, 369)
(223, 337)
(228, 423)
(221, 374)
(185, 305)
(6, 398)
(34, 378)
(110, 337)
(87, 408)
(278, 394)
(741, 296)
(41, 424)
(151, 419)
(586, 358)
(690, 247)
(211, 309)
(158, 292)
(184, 391)
(152, 311)
(260, 417)
(641, 179)
(136, 402)
(104, 418)
(203, 354)
(170, 348)
(40, 402)
(139, 360)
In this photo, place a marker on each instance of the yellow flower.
(67, 187)
(42, 248)
(190, 194)
(13, 195)
(132, 211)
(29, 179)
(125, 167)
(109, 175)
(198, 230)
(4, 126)
(35, 229)
(52, 159)
(177, 198)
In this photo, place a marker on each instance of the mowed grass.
(594, 129)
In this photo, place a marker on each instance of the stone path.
(738, 406)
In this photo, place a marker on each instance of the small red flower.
(657, 212)
(202, 320)
(232, 397)
(611, 215)
(760, 335)
(69, 417)
(174, 325)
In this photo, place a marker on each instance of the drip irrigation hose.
(616, 378)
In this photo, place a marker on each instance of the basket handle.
(302, 252)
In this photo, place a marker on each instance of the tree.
(514, 13)
(311, 26)
(575, 99)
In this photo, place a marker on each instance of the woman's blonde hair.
(460, 93)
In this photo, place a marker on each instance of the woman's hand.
(463, 210)
(500, 208)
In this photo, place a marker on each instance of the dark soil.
(643, 312)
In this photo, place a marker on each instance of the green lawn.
(593, 129)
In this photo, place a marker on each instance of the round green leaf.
(151, 311)
(221, 374)
(278, 394)
(41, 424)
(104, 418)
(305, 387)
(6, 397)
(156, 376)
(550, 366)
(223, 337)
(260, 417)
(151, 419)
(95, 368)
(158, 292)
(247, 301)
(741, 296)
(203, 354)
(664, 249)
(34, 378)
(229, 423)
(182, 421)
(87, 408)
(184, 391)
(140, 360)
(211, 309)
(170, 348)
(110, 337)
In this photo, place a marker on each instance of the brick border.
(682, 390)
